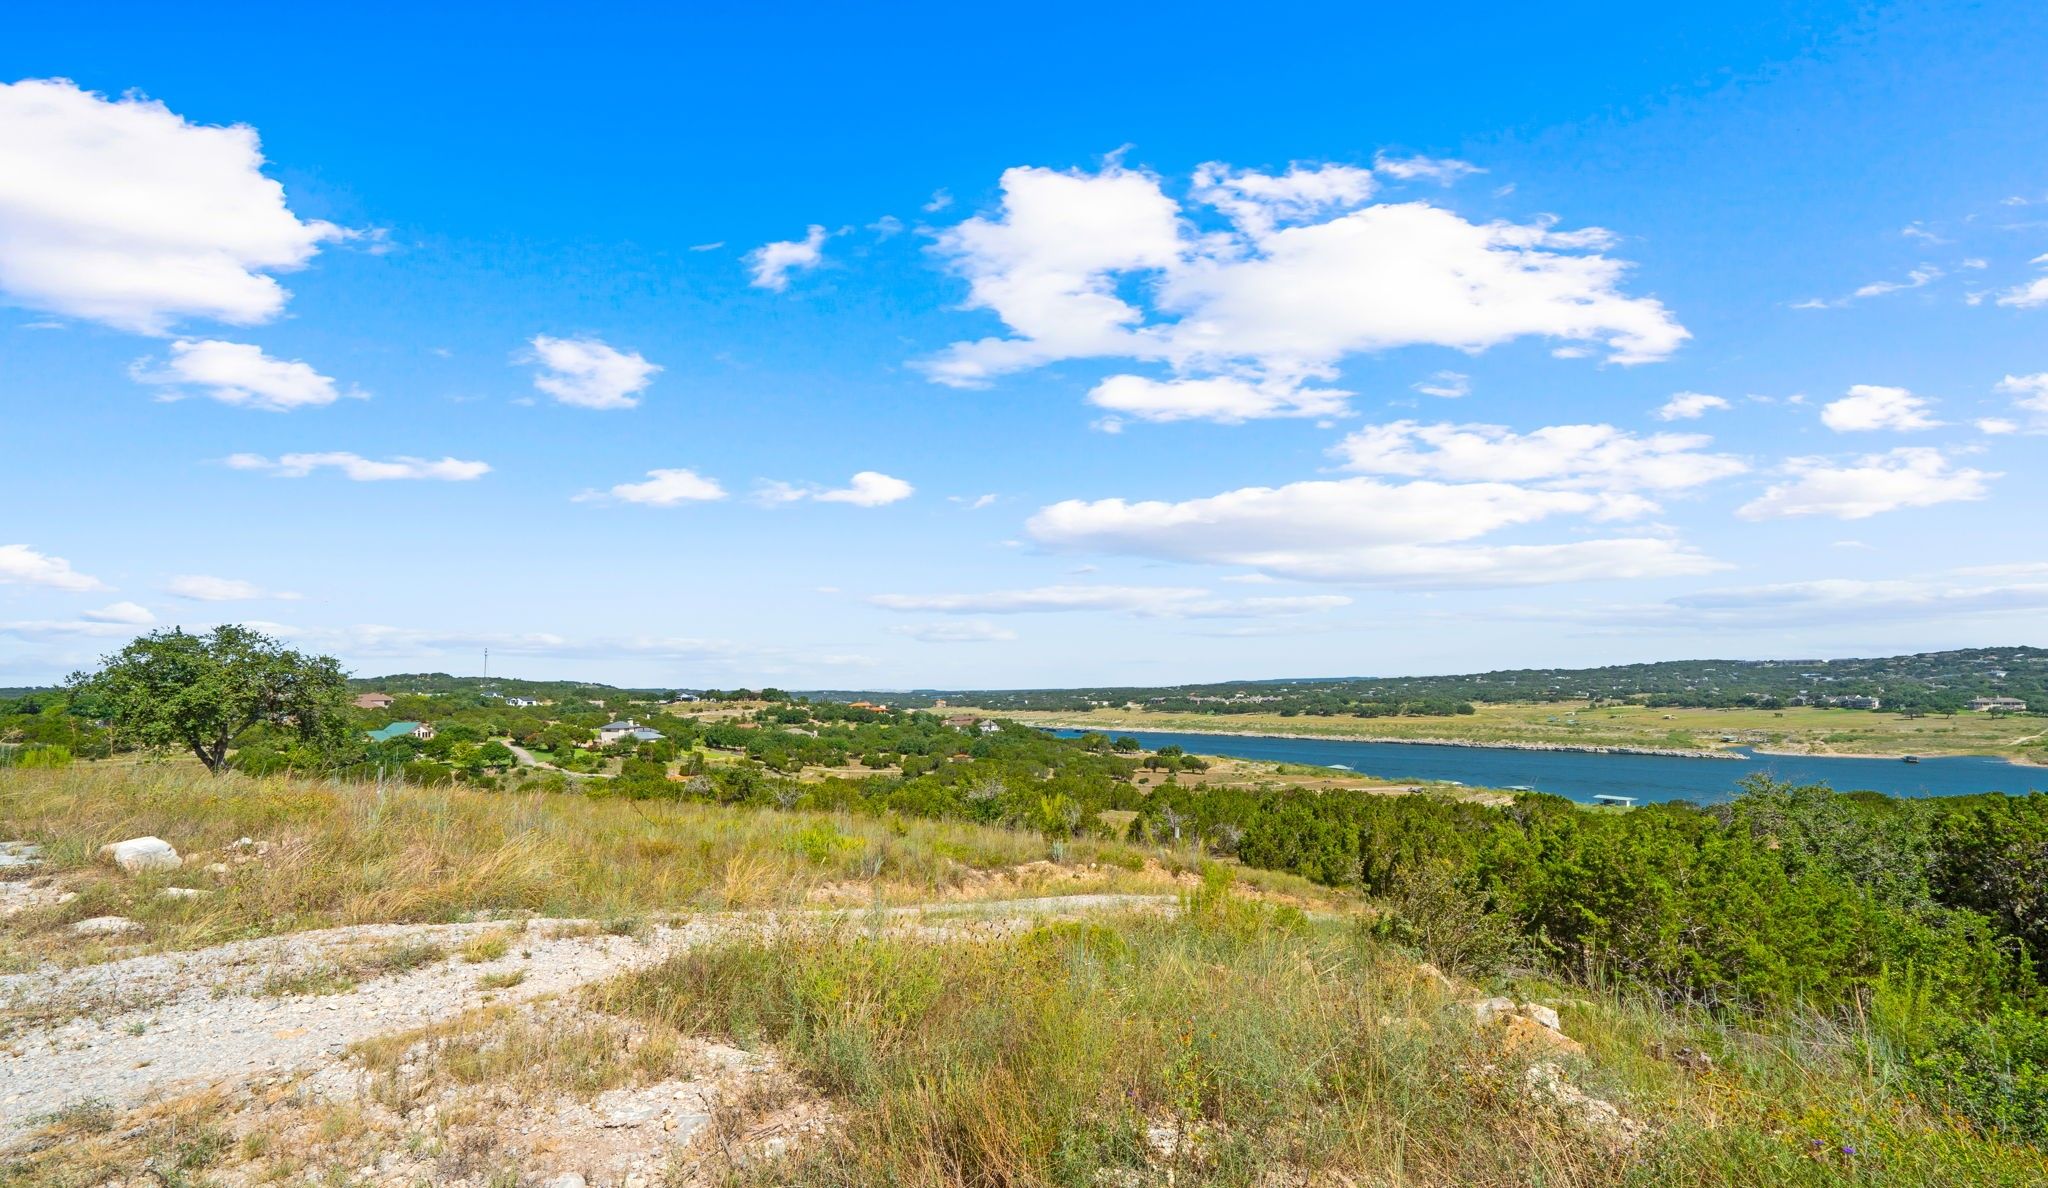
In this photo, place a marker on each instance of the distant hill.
(1934, 681)
(442, 683)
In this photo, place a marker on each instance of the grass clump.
(349, 968)
(486, 946)
(531, 1053)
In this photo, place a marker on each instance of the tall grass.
(1235, 1045)
(342, 853)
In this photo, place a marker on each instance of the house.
(375, 701)
(419, 730)
(1857, 702)
(625, 728)
(522, 702)
(2009, 705)
(990, 727)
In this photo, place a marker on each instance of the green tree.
(202, 692)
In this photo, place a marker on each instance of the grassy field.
(1803, 729)
(339, 853)
(1238, 1042)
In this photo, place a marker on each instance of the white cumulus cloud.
(121, 212)
(589, 373)
(663, 488)
(1446, 385)
(1595, 457)
(1109, 265)
(127, 614)
(361, 469)
(22, 565)
(1225, 399)
(1368, 532)
(1442, 170)
(869, 488)
(2029, 394)
(2030, 295)
(1690, 406)
(1870, 407)
(1910, 476)
(239, 374)
(772, 263)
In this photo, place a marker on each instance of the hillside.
(1930, 681)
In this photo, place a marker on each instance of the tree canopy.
(171, 688)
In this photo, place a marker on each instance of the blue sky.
(1145, 346)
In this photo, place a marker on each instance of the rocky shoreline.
(1581, 748)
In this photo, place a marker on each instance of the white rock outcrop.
(140, 854)
(105, 926)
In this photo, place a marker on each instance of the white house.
(612, 732)
(522, 702)
(2011, 705)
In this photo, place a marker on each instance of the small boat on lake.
(1910, 759)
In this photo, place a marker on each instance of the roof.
(395, 730)
(620, 726)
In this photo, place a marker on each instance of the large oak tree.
(202, 692)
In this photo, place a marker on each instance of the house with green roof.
(419, 730)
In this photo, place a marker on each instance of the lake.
(1582, 775)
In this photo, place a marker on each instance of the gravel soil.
(126, 1031)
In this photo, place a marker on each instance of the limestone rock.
(1427, 972)
(14, 855)
(105, 926)
(565, 1180)
(140, 854)
(1523, 1033)
(182, 893)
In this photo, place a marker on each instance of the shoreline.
(1754, 752)
(1578, 748)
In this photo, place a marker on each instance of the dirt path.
(125, 1030)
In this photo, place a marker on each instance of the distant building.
(419, 730)
(522, 702)
(989, 727)
(963, 721)
(375, 701)
(2010, 705)
(612, 732)
(1857, 702)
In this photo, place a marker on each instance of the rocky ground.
(450, 1053)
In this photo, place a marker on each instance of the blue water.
(1583, 775)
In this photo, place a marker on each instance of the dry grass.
(339, 853)
(1236, 1046)
(350, 967)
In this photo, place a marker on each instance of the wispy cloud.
(361, 469)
